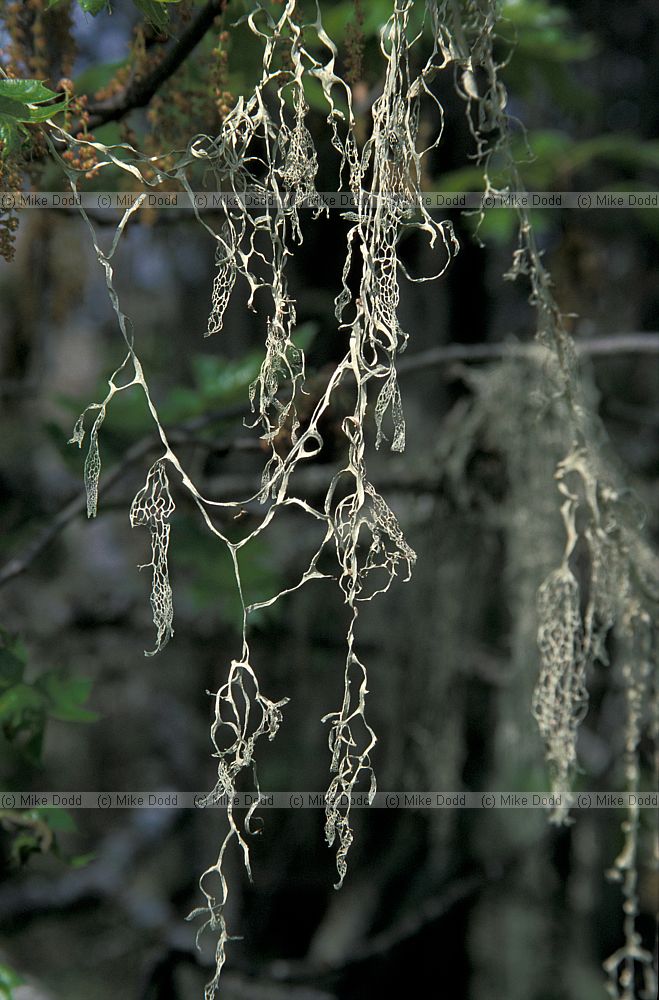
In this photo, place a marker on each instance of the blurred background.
(469, 904)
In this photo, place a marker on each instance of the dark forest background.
(470, 905)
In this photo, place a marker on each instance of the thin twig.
(428, 912)
(77, 504)
(616, 344)
(107, 877)
(619, 343)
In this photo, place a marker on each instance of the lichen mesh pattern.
(560, 699)
(153, 507)
(264, 147)
(610, 526)
(225, 279)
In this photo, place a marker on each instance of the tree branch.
(106, 877)
(429, 911)
(76, 506)
(616, 344)
(619, 343)
(139, 92)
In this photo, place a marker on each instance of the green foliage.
(544, 44)
(28, 92)
(548, 159)
(25, 102)
(212, 584)
(220, 381)
(65, 696)
(58, 820)
(98, 75)
(543, 31)
(551, 160)
(23, 718)
(25, 707)
(35, 831)
(216, 382)
(8, 980)
(12, 660)
(337, 19)
(93, 7)
(153, 10)
(572, 630)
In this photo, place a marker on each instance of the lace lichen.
(153, 507)
(264, 148)
(575, 616)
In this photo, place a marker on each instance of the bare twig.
(428, 911)
(77, 504)
(614, 345)
(105, 877)
(619, 343)
(408, 927)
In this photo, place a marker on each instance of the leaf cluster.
(155, 11)
(26, 706)
(23, 103)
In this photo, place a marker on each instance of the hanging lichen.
(264, 148)
(153, 507)
(610, 526)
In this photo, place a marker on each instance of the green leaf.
(15, 96)
(9, 136)
(65, 696)
(624, 150)
(19, 700)
(13, 656)
(23, 717)
(221, 379)
(42, 114)
(13, 135)
(27, 91)
(25, 843)
(57, 819)
(81, 860)
(20, 112)
(154, 12)
(305, 334)
(92, 7)
(14, 645)
(14, 109)
(11, 669)
(8, 980)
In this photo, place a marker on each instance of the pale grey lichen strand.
(264, 146)
(233, 758)
(92, 466)
(225, 279)
(610, 526)
(560, 699)
(152, 507)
